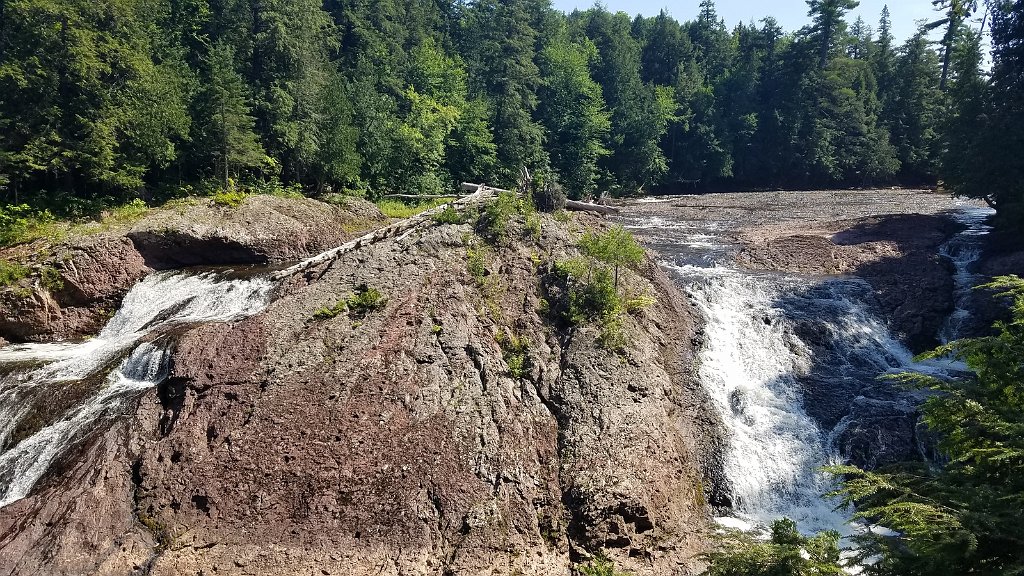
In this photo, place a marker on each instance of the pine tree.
(231, 128)
(499, 43)
(917, 109)
(828, 25)
(960, 516)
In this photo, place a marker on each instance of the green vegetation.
(787, 553)
(450, 216)
(51, 279)
(229, 198)
(515, 350)
(104, 103)
(587, 288)
(357, 306)
(616, 247)
(501, 216)
(11, 272)
(20, 224)
(961, 517)
(476, 264)
(399, 209)
(600, 565)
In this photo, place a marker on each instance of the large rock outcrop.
(78, 283)
(898, 254)
(399, 441)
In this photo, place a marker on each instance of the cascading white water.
(153, 306)
(748, 365)
(963, 250)
(754, 359)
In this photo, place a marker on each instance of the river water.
(769, 337)
(100, 375)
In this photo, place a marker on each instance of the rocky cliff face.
(397, 440)
(78, 283)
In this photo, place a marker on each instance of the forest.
(103, 102)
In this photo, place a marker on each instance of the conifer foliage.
(117, 99)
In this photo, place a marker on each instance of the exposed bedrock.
(897, 254)
(77, 284)
(399, 442)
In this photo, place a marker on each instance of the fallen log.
(480, 194)
(418, 196)
(577, 206)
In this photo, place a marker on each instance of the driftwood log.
(480, 193)
(588, 207)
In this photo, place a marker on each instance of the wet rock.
(879, 433)
(897, 254)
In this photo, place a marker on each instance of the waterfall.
(768, 337)
(128, 357)
(963, 250)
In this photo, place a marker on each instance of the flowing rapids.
(768, 339)
(964, 250)
(128, 357)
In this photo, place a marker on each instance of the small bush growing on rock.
(587, 287)
(590, 291)
(514, 350)
(476, 264)
(788, 553)
(11, 272)
(229, 198)
(449, 216)
(601, 565)
(50, 278)
(130, 212)
(616, 247)
(364, 301)
(497, 221)
(358, 305)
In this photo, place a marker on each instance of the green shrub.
(599, 566)
(129, 212)
(51, 279)
(20, 224)
(788, 553)
(449, 216)
(500, 215)
(229, 198)
(11, 272)
(616, 247)
(357, 306)
(476, 264)
(364, 301)
(328, 312)
(514, 350)
(590, 291)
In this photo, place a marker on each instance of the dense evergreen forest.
(110, 100)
